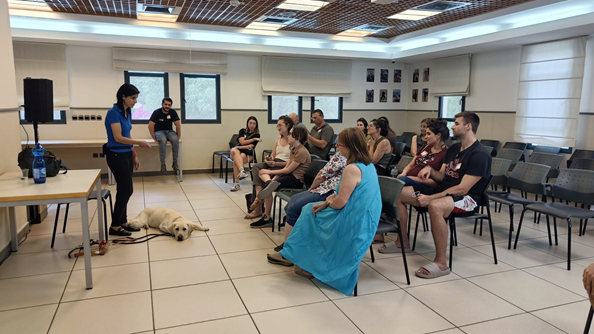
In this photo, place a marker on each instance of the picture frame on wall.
(370, 75)
(369, 95)
(415, 95)
(384, 75)
(397, 76)
(425, 95)
(416, 75)
(383, 95)
(396, 95)
(426, 74)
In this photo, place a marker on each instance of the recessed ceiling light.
(413, 15)
(362, 31)
(157, 13)
(270, 23)
(264, 26)
(304, 5)
(429, 9)
(29, 5)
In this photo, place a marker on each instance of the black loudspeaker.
(39, 100)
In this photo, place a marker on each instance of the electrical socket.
(95, 155)
(93, 117)
(81, 117)
(74, 118)
(99, 117)
(87, 118)
(101, 155)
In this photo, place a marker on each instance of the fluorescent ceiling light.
(264, 26)
(29, 5)
(354, 33)
(157, 17)
(305, 5)
(413, 15)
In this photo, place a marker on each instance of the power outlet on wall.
(101, 155)
(81, 117)
(95, 155)
(87, 118)
(99, 117)
(74, 118)
(93, 117)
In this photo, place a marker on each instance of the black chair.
(315, 157)
(489, 149)
(495, 144)
(228, 160)
(402, 163)
(517, 146)
(407, 140)
(105, 194)
(512, 154)
(526, 177)
(499, 168)
(399, 150)
(451, 141)
(572, 185)
(546, 149)
(580, 154)
(266, 153)
(232, 143)
(551, 160)
(332, 149)
(587, 164)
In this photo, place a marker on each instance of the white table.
(84, 143)
(75, 186)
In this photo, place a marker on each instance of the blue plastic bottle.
(38, 164)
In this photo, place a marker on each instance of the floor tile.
(322, 318)
(118, 255)
(467, 238)
(370, 281)
(525, 290)
(450, 331)
(108, 281)
(199, 204)
(193, 270)
(226, 226)
(268, 292)
(35, 264)
(91, 316)
(468, 262)
(214, 214)
(238, 242)
(172, 249)
(559, 275)
(32, 290)
(188, 214)
(20, 321)
(250, 263)
(578, 250)
(584, 262)
(278, 237)
(236, 325)
(517, 324)
(206, 195)
(196, 303)
(570, 318)
(472, 303)
(391, 310)
(64, 241)
(47, 226)
(521, 257)
(174, 205)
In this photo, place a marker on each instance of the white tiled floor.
(220, 281)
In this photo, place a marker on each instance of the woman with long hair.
(379, 147)
(391, 135)
(330, 238)
(243, 153)
(418, 140)
(362, 125)
(121, 156)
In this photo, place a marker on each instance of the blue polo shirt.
(116, 115)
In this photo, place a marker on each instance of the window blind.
(451, 76)
(150, 60)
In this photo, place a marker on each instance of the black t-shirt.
(245, 135)
(475, 160)
(164, 121)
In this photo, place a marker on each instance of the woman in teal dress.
(330, 238)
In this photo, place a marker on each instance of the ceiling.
(338, 16)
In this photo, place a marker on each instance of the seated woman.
(244, 151)
(391, 136)
(281, 152)
(291, 176)
(432, 154)
(379, 146)
(330, 238)
(362, 125)
(418, 140)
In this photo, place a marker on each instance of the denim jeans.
(298, 201)
(162, 137)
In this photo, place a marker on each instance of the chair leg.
(584, 229)
(371, 253)
(452, 223)
(65, 217)
(273, 211)
(111, 214)
(568, 244)
(519, 228)
(455, 235)
(221, 167)
(56, 224)
(555, 227)
(425, 222)
(416, 228)
(589, 320)
(535, 199)
(226, 171)
(355, 292)
(410, 208)
(492, 236)
(511, 225)
(475, 223)
(213, 156)
(480, 230)
(403, 255)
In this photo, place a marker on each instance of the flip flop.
(391, 248)
(249, 216)
(434, 271)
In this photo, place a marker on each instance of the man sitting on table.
(320, 136)
(461, 183)
(161, 129)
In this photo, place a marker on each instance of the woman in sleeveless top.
(418, 139)
(277, 159)
(331, 237)
(379, 147)
(241, 154)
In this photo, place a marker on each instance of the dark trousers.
(122, 167)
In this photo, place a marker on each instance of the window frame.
(62, 119)
(299, 108)
(327, 120)
(440, 111)
(182, 86)
(164, 75)
(564, 150)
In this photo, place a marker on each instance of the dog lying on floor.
(167, 221)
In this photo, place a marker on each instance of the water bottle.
(38, 164)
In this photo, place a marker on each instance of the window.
(449, 106)
(331, 107)
(283, 105)
(59, 117)
(201, 98)
(153, 88)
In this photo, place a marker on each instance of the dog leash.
(144, 238)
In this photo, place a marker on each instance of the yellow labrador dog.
(167, 221)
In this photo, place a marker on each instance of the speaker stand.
(36, 132)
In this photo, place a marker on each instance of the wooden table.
(75, 186)
(84, 143)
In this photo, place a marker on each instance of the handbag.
(53, 164)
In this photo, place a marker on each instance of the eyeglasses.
(339, 145)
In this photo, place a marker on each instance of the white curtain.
(306, 77)
(127, 59)
(451, 76)
(549, 93)
(42, 61)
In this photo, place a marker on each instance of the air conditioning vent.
(441, 6)
(277, 20)
(370, 27)
(157, 9)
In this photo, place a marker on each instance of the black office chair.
(232, 143)
(580, 154)
(495, 144)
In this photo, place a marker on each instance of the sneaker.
(263, 222)
(235, 187)
(175, 166)
(163, 168)
(279, 247)
(242, 175)
(278, 259)
(270, 188)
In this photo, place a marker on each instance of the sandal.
(303, 273)
(433, 270)
(252, 215)
(256, 203)
(391, 248)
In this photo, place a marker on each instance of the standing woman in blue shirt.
(121, 157)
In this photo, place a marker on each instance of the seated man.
(161, 129)
(462, 180)
(320, 136)
(295, 118)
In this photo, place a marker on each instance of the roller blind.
(451, 76)
(150, 60)
(549, 92)
(42, 61)
(306, 77)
